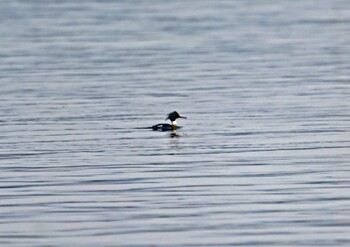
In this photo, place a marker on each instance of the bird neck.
(173, 123)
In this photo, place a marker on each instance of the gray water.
(262, 160)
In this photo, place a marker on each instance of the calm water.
(262, 160)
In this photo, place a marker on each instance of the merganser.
(165, 126)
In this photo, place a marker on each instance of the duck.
(169, 127)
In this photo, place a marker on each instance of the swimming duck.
(165, 126)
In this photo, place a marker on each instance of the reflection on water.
(174, 134)
(263, 159)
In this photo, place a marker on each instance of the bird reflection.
(173, 134)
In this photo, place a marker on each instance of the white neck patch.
(173, 122)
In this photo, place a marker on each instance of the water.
(262, 160)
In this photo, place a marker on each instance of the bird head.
(173, 116)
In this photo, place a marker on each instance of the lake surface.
(262, 160)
